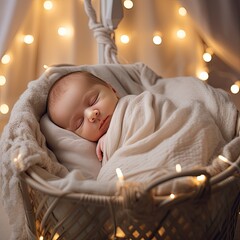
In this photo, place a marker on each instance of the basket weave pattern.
(213, 216)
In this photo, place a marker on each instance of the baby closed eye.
(93, 100)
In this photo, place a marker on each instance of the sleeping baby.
(84, 104)
(149, 131)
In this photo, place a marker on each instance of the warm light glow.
(4, 108)
(178, 168)
(224, 159)
(201, 178)
(203, 75)
(28, 39)
(182, 11)
(63, 31)
(41, 238)
(45, 66)
(2, 80)
(120, 233)
(124, 39)
(17, 158)
(157, 39)
(235, 88)
(207, 57)
(6, 59)
(48, 5)
(172, 196)
(119, 174)
(128, 4)
(56, 236)
(181, 34)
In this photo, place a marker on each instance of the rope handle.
(104, 35)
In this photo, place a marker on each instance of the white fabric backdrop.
(218, 22)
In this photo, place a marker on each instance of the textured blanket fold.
(149, 131)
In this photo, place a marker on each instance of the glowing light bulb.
(201, 178)
(56, 236)
(234, 88)
(182, 11)
(128, 4)
(207, 57)
(125, 39)
(4, 108)
(48, 5)
(224, 159)
(6, 59)
(178, 168)
(172, 196)
(28, 39)
(119, 174)
(181, 34)
(157, 40)
(2, 80)
(203, 75)
(62, 31)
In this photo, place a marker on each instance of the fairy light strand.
(224, 159)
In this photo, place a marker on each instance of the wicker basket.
(134, 211)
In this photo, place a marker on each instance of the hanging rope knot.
(136, 200)
(104, 35)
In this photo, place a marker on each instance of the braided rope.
(103, 35)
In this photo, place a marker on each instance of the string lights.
(235, 87)
(181, 34)
(28, 39)
(207, 55)
(120, 176)
(2, 80)
(203, 75)
(182, 11)
(128, 4)
(124, 39)
(6, 59)
(157, 40)
(4, 108)
(48, 5)
(62, 31)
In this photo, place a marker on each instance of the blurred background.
(174, 38)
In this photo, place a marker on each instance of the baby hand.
(99, 148)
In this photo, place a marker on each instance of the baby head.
(82, 103)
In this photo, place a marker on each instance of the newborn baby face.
(86, 108)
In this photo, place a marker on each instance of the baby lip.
(102, 122)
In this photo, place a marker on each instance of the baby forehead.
(78, 78)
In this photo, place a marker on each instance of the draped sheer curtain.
(212, 24)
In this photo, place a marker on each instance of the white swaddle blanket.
(149, 131)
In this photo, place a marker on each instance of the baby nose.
(93, 115)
